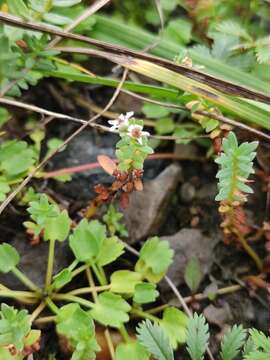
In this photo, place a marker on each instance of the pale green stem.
(25, 280)
(52, 306)
(124, 333)
(50, 264)
(37, 311)
(73, 298)
(88, 290)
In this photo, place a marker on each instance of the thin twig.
(88, 12)
(64, 144)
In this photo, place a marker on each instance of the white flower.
(136, 132)
(121, 122)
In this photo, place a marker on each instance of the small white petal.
(113, 122)
(145, 133)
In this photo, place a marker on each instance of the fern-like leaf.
(236, 163)
(232, 343)
(152, 337)
(260, 340)
(197, 337)
(231, 27)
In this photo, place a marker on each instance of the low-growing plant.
(109, 299)
(249, 344)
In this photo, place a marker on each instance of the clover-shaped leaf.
(87, 239)
(132, 351)
(124, 281)
(111, 249)
(111, 310)
(174, 323)
(14, 327)
(9, 258)
(145, 293)
(57, 228)
(155, 258)
(76, 326)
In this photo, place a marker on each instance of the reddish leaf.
(138, 184)
(107, 164)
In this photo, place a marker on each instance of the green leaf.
(260, 339)
(124, 281)
(164, 126)
(87, 240)
(110, 310)
(56, 19)
(174, 322)
(111, 249)
(262, 54)
(231, 27)
(155, 258)
(18, 7)
(193, 274)
(78, 329)
(232, 343)
(145, 293)
(57, 228)
(153, 338)
(4, 116)
(131, 351)
(61, 279)
(14, 327)
(65, 3)
(178, 31)
(155, 111)
(4, 189)
(9, 258)
(197, 337)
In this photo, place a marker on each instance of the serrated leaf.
(145, 293)
(154, 260)
(197, 337)
(131, 351)
(77, 327)
(262, 54)
(153, 338)
(57, 228)
(9, 258)
(231, 27)
(232, 343)
(124, 281)
(110, 310)
(87, 240)
(174, 323)
(260, 339)
(111, 249)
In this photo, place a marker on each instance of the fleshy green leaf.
(131, 351)
(57, 228)
(145, 293)
(124, 281)
(174, 323)
(87, 240)
(193, 274)
(111, 249)
(61, 279)
(110, 310)
(9, 258)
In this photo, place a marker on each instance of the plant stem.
(88, 290)
(73, 265)
(22, 296)
(250, 251)
(52, 305)
(79, 270)
(144, 315)
(45, 319)
(25, 280)
(37, 311)
(73, 298)
(99, 276)
(50, 264)
(124, 333)
(110, 343)
(91, 283)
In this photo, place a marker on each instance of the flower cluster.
(133, 147)
(126, 125)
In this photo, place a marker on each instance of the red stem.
(90, 166)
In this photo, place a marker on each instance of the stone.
(147, 209)
(33, 261)
(188, 243)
